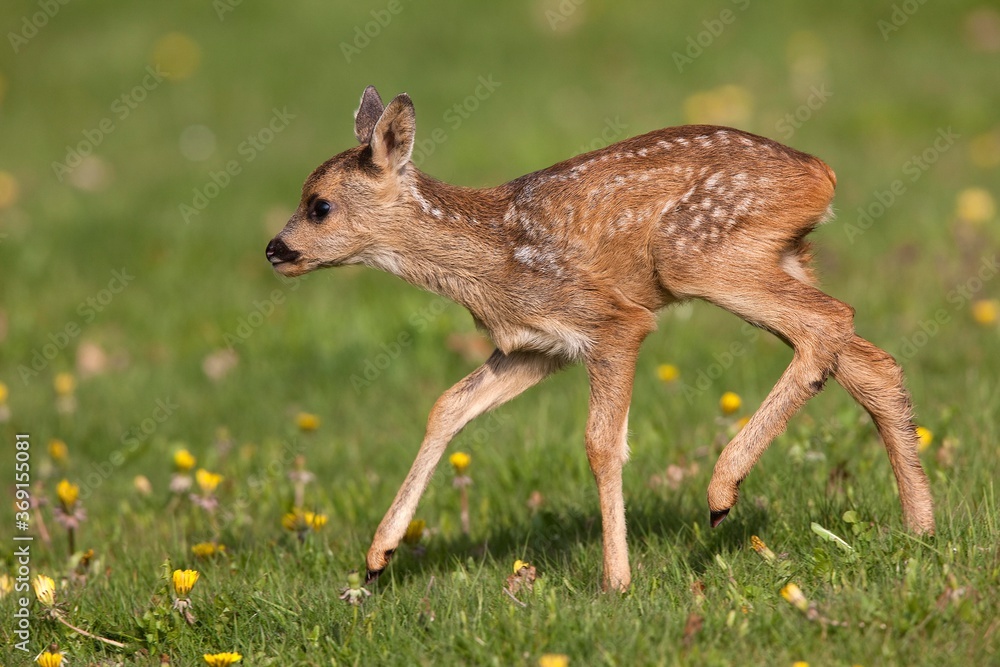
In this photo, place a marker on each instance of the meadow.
(186, 409)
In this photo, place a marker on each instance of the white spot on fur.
(713, 180)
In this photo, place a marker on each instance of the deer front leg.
(500, 379)
(607, 450)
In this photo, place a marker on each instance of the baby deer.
(572, 263)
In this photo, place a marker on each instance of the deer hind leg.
(611, 375)
(500, 379)
(817, 327)
(875, 381)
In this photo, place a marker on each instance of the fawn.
(572, 263)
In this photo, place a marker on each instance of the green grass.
(895, 599)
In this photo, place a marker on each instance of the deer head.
(352, 194)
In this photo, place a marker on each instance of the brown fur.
(572, 263)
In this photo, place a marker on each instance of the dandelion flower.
(975, 205)
(924, 438)
(800, 663)
(794, 595)
(553, 660)
(730, 402)
(414, 532)
(4, 392)
(207, 549)
(301, 522)
(354, 593)
(184, 581)
(58, 450)
(64, 384)
(307, 421)
(207, 481)
(222, 659)
(68, 494)
(460, 462)
(986, 311)
(520, 565)
(48, 659)
(6, 585)
(758, 545)
(45, 590)
(183, 460)
(667, 372)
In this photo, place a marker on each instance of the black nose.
(278, 252)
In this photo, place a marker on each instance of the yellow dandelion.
(4, 392)
(307, 421)
(64, 384)
(184, 581)
(68, 494)
(58, 450)
(6, 585)
(207, 481)
(460, 462)
(222, 659)
(520, 564)
(668, 372)
(553, 660)
(414, 531)
(9, 188)
(315, 520)
(975, 205)
(794, 595)
(924, 438)
(730, 402)
(986, 311)
(48, 659)
(184, 460)
(758, 545)
(299, 520)
(800, 663)
(45, 589)
(177, 55)
(207, 549)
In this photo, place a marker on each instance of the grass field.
(150, 151)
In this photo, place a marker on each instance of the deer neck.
(444, 239)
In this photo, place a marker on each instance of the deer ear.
(392, 138)
(367, 114)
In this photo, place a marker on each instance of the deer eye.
(320, 209)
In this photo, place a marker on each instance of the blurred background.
(148, 152)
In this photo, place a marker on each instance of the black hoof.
(717, 517)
